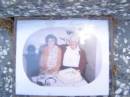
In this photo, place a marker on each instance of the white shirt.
(71, 57)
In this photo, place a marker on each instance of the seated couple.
(54, 58)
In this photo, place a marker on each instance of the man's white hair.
(74, 37)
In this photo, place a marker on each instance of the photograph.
(62, 57)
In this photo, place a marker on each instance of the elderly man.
(74, 56)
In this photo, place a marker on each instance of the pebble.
(115, 59)
(9, 63)
(123, 30)
(6, 85)
(128, 70)
(126, 23)
(118, 82)
(125, 40)
(71, 0)
(6, 89)
(2, 57)
(124, 50)
(117, 96)
(122, 85)
(123, 1)
(126, 92)
(4, 52)
(8, 49)
(10, 90)
(127, 87)
(125, 59)
(125, 14)
(10, 70)
(128, 57)
(118, 91)
(0, 48)
(7, 41)
(4, 71)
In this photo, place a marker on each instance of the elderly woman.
(74, 56)
(50, 60)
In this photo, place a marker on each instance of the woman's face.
(51, 42)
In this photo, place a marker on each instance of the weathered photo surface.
(67, 57)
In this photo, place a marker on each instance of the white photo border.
(28, 88)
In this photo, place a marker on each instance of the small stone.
(2, 57)
(39, 2)
(6, 85)
(10, 90)
(10, 86)
(126, 92)
(9, 63)
(125, 59)
(79, 6)
(103, 4)
(127, 87)
(1, 53)
(125, 40)
(4, 52)
(7, 41)
(124, 50)
(117, 96)
(4, 71)
(115, 59)
(6, 89)
(5, 68)
(8, 49)
(119, 33)
(126, 23)
(2, 38)
(126, 5)
(10, 70)
(123, 1)
(128, 57)
(116, 54)
(118, 91)
(125, 14)
(123, 30)
(81, 0)
(71, 0)
(0, 48)
(118, 27)
(122, 85)
(117, 82)
(128, 70)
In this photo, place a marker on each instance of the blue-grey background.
(119, 9)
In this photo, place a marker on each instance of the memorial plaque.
(62, 57)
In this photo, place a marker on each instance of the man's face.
(51, 42)
(73, 44)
